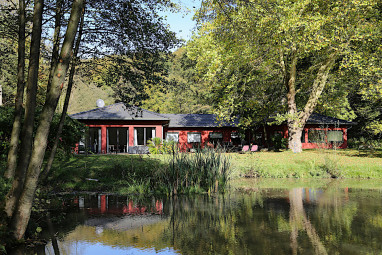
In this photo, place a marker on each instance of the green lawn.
(129, 173)
(309, 164)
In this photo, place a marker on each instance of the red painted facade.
(283, 129)
(205, 135)
(161, 128)
(158, 125)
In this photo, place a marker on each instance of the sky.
(181, 23)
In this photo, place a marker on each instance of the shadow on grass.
(104, 172)
(367, 153)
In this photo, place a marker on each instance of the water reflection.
(262, 221)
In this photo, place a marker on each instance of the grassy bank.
(155, 173)
(205, 171)
(309, 164)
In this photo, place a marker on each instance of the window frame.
(194, 133)
(144, 135)
(177, 133)
(342, 136)
(322, 138)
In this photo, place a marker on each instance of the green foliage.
(181, 91)
(6, 117)
(243, 50)
(331, 166)
(279, 142)
(72, 132)
(169, 147)
(155, 145)
(363, 143)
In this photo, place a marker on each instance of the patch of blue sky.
(181, 22)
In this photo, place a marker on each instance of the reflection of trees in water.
(299, 221)
(234, 224)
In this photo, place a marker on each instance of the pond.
(329, 220)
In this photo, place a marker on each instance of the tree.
(300, 43)
(134, 28)
(180, 90)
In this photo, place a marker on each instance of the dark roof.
(118, 111)
(196, 120)
(316, 118)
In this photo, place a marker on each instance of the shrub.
(155, 145)
(279, 142)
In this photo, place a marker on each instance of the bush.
(279, 142)
(155, 145)
(363, 143)
(72, 131)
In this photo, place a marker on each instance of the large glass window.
(316, 136)
(216, 138)
(303, 136)
(194, 137)
(335, 136)
(172, 136)
(143, 134)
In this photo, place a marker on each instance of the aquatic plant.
(207, 169)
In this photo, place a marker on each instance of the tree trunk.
(56, 42)
(296, 120)
(14, 143)
(294, 141)
(66, 103)
(27, 131)
(22, 213)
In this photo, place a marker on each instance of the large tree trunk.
(27, 131)
(22, 213)
(14, 144)
(56, 42)
(297, 120)
(66, 103)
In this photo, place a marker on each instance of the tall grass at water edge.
(205, 170)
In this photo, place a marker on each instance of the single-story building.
(121, 129)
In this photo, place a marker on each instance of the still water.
(330, 220)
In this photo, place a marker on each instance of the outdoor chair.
(254, 148)
(245, 148)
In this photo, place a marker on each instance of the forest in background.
(179, 88)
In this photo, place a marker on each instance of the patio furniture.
(245, 148)
(254, 148)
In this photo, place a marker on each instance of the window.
(216, 138)
(303, 136)
(235, 135)
(142, 135)
(216, 135)
(335, 136)
(316, 136)
(194, 137)
(172, 136)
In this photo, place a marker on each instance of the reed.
(206, 169)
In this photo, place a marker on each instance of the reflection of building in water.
(311, 195)
(102, 203)
(105, 204)
(81, 202)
